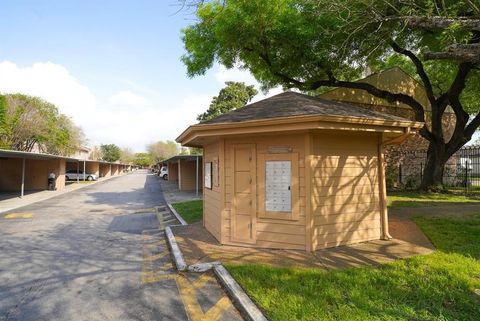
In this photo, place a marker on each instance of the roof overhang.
(41, 156)
(183, 157)
(197, 135)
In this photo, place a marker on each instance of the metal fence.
(461, 171)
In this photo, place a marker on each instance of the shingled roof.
(290, 104)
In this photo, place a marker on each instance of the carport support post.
(196, 178)
(78, 171)
(22, 189)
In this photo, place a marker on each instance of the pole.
(466, 175)
(196, 179)
(78, 171)
(22, 189)
(84, 170)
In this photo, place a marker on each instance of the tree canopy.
(162, 150)
(313, 44)
(110, 152)
(143, 159)
(30, 122)
(234, 95)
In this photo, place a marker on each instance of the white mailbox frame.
(263, 212)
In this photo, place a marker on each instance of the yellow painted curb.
(18, 215)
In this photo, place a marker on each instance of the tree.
(162, 150)
(143, 159)
(30, 122)
(313, 44)
(234, 95)
(127, 156)
(3, 121)
(110, 152)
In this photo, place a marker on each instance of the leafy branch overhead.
(234, 95)
(312, 44)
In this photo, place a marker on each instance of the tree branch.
(380, 93)
(472, 126)
(431, 23)
(420, 70)
(459, 55)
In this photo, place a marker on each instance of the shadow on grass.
(418, 199)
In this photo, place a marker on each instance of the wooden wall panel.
(271, 233)
(345, 195)
(212, 198)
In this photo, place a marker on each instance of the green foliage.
(190, 211)
(3, 120)
(143, 159)
(196, 151)
(26, 122)
(110, 152)
(310, 40)
(313, 44)
(234, 95)
(440, 286)
(453, 234)
(162, 150)
(127, 156)
(418, 199)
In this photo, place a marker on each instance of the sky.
(113, 66)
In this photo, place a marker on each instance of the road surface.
(99, 253)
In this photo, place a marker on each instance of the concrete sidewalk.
(9, 202)
(199, 246)
(173, 195)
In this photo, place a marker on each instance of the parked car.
(163, 172)
(72, 175)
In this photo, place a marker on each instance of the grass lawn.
(444, 285)
(191, 211)
(416, 199)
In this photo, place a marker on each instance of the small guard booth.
(296, 172)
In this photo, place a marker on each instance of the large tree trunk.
(432, 178)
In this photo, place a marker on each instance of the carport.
(105, 169)
(87, 166)
(186, 170)
(23, 171)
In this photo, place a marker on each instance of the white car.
(72, 175)
(163, 172)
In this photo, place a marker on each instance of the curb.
(177, 254)
(179, 218)
(240, 299)
(202, 267)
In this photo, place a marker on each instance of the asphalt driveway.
(99, 254)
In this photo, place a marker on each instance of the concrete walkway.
(99, 253)
(199, 246)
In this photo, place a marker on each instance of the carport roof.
(186, 157)
(41, 156)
